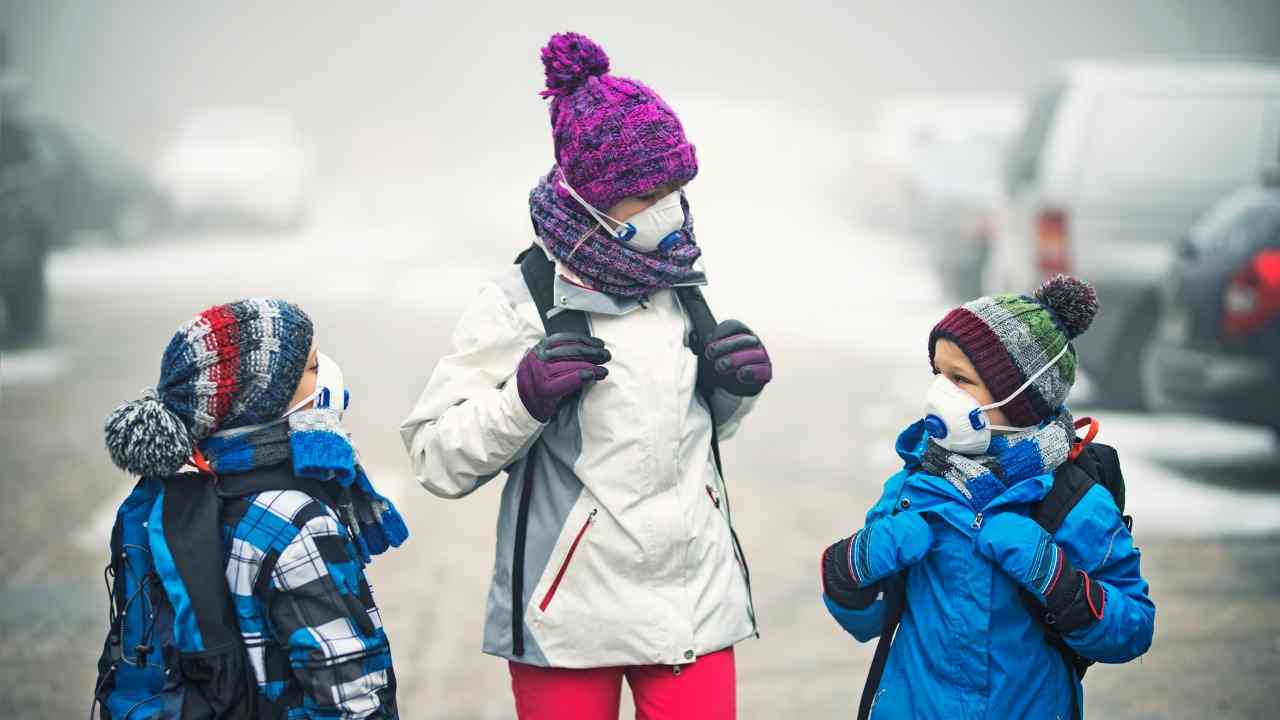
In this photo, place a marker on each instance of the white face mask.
(329, 387)
(657, 227)
(958, 423)
(330, 393)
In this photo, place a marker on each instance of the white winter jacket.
(628, 555)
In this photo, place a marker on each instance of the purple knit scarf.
(601, 261)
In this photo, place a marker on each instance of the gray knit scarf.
(1009, 460)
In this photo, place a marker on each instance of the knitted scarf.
(608, 265)
(318, 448)
(1010, 459)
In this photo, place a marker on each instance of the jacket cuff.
(1075, 602)
(837, 582)
(520, 416)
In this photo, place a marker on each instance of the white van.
(1115, 161)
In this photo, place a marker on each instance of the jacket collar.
(572, 294)
(911, 446)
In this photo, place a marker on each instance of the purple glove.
(558, 366)
(736, 360)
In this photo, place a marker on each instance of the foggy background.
(416, 135)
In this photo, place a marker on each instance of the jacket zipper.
(737, 556)
(555, 584)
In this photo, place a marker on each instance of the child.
(245, 395)
(955, 522)
(615, 556)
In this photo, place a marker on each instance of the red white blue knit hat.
(232, 365)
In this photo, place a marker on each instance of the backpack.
(173, 649)
(539, 276)
(1090, 463)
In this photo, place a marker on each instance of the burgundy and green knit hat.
(1009, 337)
(232, 365)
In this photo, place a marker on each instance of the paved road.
(801, 472)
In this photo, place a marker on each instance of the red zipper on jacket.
(555, 584)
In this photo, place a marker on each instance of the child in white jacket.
(615, 555)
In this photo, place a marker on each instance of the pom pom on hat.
(570, 59)
(1074, 301)
(146, 438)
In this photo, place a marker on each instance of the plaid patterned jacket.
(313, 633)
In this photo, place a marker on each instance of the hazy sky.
(387, 84)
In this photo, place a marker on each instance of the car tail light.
(1052, 241)
(1252, 297)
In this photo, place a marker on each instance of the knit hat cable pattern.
(232, 365)
(614, 137)
(1009, 337)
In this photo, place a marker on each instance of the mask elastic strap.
(599, 216)
(233, 432)
(1027, 384)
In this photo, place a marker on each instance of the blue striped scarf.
(1009, 459)
(320, 449)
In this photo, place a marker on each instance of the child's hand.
(1024, 551)
(736, 359)
(559, 366)
(885, 546)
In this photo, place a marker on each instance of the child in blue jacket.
(955, 524)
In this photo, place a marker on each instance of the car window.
(1144, 142)
(1254, 228)
(1024, 154)
(1240, 224)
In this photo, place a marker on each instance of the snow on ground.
(1190, 476)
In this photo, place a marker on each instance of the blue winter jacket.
(967, 646)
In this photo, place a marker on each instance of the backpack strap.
(540, 277)
(192, 530)
(894, 588)
(1070, 483)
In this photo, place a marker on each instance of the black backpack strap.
(1070, 483)
(540, 277)
(1105, 462)
(895, 605)
(704, 323)
(192, 517)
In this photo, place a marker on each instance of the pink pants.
(702, 690)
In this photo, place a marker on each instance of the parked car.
(1217, 345)
(90, 189)
(238, 163)
(1115, 160)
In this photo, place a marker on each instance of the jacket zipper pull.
(977, 522)
(711, 494)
